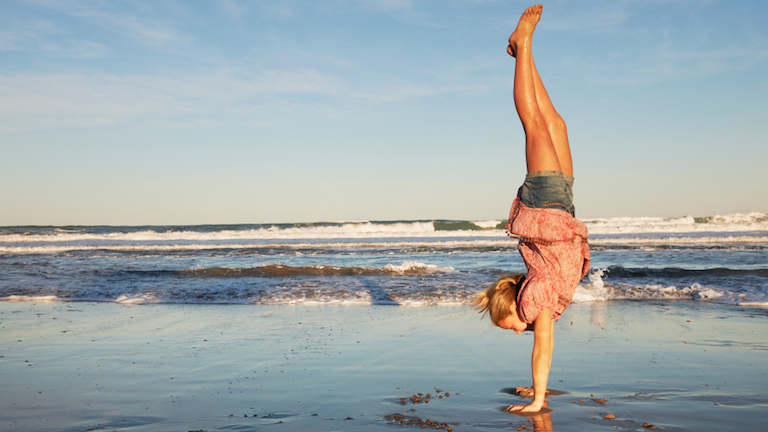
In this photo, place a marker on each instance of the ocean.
(720, 259)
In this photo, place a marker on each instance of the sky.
(274, 111)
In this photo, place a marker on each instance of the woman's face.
(512, 321)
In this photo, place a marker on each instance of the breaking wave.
(278, 270)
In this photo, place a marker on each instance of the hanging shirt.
(554, 247)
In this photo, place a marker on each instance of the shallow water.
(104, 366)
(720, 259)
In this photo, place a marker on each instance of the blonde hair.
(496, 300)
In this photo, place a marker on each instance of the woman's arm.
(541, 360)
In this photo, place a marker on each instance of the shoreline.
(100, 366)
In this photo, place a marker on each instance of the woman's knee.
(556, 124)
(536, 127)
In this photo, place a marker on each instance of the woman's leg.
(547, 147)
(555, 124)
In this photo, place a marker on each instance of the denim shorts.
(548, 189)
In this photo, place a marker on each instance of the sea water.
(413, 263)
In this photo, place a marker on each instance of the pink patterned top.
(555, 250)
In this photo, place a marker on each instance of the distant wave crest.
(687, 224)
(737, 222)
(408, 268)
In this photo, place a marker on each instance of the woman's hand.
(528, 408)
(524, 391)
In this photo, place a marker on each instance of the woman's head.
(499, 302)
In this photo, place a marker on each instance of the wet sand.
(620, 366)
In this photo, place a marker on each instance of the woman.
(552, 242)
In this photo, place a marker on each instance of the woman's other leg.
(555, 124)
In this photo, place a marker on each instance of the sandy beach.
(78, 366)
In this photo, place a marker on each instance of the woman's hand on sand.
(528, 408)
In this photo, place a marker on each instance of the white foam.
(596, 290)
(347, 230)
(645, 292)
(489, 224)
(413, 265)
(502, 240)
(687, 224)
(498, 239)
(709, 294)
(737, 222)
(740, 218)
(138, 299)
(21, 298)
(677, 240)
(593, 291)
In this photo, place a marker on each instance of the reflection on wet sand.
(596, 314)
(540, 421)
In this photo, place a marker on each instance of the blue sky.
(181, 112)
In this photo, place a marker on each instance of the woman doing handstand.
(552, 242)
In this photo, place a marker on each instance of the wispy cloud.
(76, 100)
(77, 49)
(407, 92)
(591, 21)
(26, 36)
(9, 41)
(666, 64)
(56, 100)
(44, 37)
(111, 17)
(388, 5)
(234, 9)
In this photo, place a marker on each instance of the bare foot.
(524, 30)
